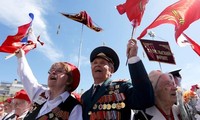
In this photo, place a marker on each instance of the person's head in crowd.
(104, 62)
(177, 76)
(164, 88)
(1, 109)
(8, 105)
(21, 102)
(63, 77)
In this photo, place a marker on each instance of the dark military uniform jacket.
(114, 100)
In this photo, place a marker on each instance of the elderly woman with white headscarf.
(165, 96)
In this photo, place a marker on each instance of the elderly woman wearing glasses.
(165, 96)
(54, 102)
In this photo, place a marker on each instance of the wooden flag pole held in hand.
(133, 30)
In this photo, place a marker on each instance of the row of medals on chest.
(114, 100)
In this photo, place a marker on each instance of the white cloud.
(15, 13)
(83, 61)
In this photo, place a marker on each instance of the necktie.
(95, 89)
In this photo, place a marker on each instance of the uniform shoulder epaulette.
(120, 80)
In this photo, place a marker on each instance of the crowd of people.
(15, 108)
(145, 96)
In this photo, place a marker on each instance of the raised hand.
(132, 48)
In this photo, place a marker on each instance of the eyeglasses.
(59, 68)
(58, 71)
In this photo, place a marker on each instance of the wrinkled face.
(165, 90)
(101, 70)
(8, 107)
(20, 106)
(57, 77)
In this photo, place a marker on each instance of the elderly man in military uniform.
(115, 99)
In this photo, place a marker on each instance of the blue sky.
(65, 45)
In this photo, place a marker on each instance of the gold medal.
(123, 104)
(104, 106)
(113, 105)
(108, 106)
(95, 106)
(118, 106)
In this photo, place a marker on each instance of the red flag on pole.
(193, 44)
(134, 10)
(84, 18)
(23, 39)
(181, 14)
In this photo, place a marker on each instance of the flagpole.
(80, 47)
(132, 33)
(152, 35)
(9, 56)
(160, 66)
(13, 54)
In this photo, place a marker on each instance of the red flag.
(84, 18)
(23, 39)
(181, 14)
(134, 10)
(193, 44)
